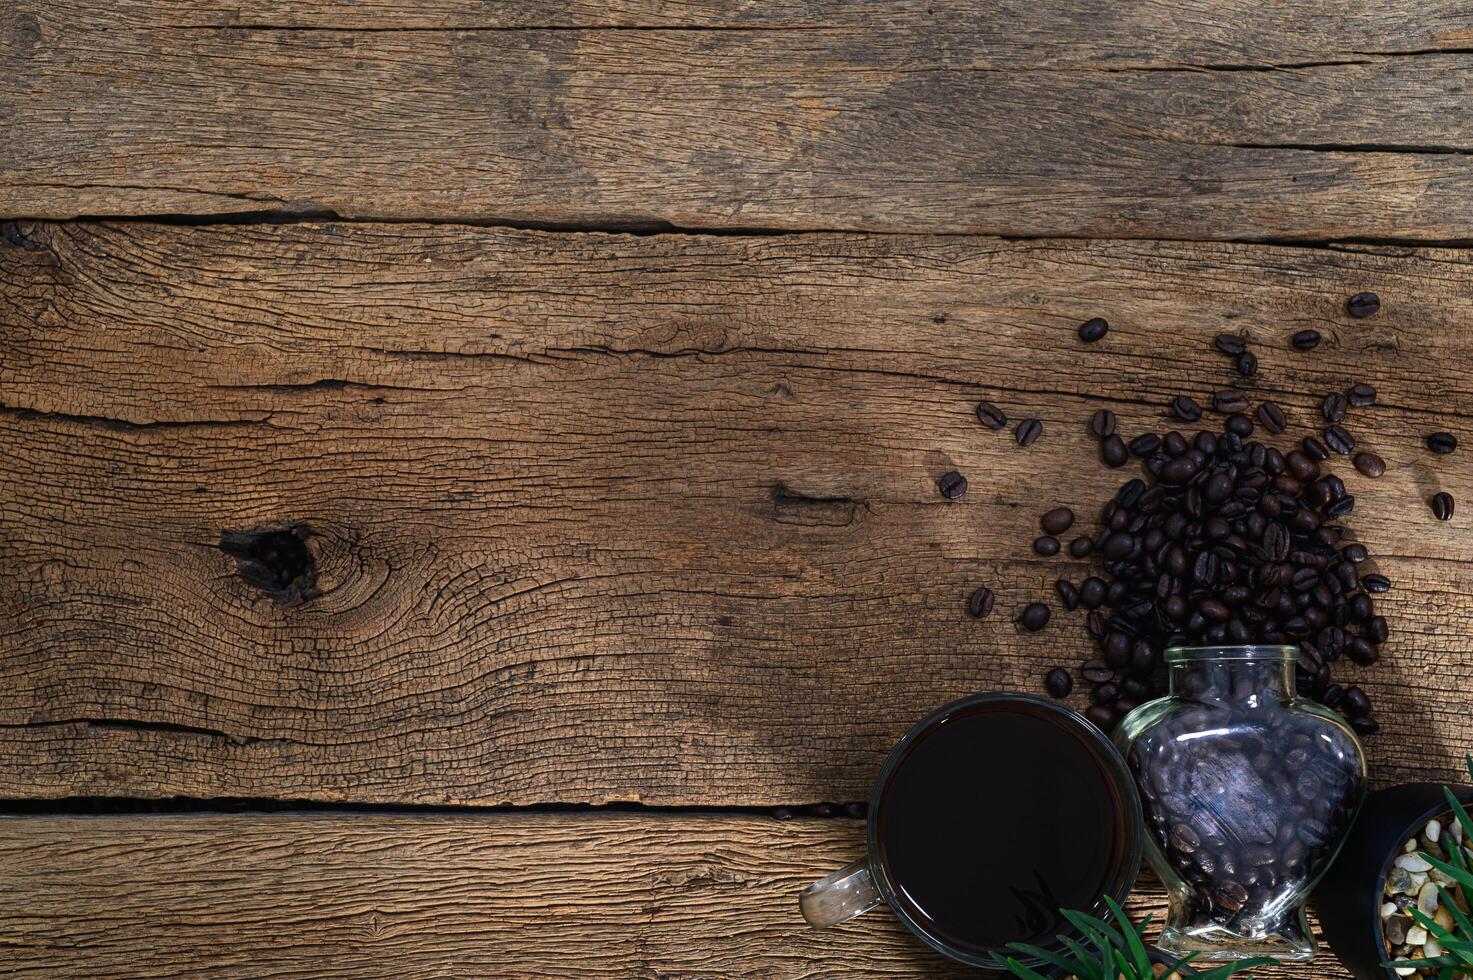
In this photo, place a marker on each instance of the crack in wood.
(136, 725)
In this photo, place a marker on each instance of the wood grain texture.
(1084, 119)
(439, 896)
(606, 517)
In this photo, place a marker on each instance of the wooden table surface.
(589, 367)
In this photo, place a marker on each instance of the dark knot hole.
(274, 560)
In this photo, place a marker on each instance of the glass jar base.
(1213, 943)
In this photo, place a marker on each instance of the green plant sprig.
(1116, 953)
(1457, 943)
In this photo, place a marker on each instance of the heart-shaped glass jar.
(1248, 792)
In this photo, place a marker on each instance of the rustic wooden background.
(603, 357)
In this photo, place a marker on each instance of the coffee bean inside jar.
(1248, 792)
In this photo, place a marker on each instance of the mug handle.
(841, 896)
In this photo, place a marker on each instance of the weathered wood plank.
(416, 896)
(924, 122)
(614, 517)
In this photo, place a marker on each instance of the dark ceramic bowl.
(1348, 899)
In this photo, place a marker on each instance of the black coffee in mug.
(988, 817)
(992, 820)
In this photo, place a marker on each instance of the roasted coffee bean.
(1271, 417)
(1355, 702)
(1179, 470)
(1092, 592)
(1230, 401)
(1364, 725)
(1099, 716)
(1442, 443)
(1314, 449)
(1034, 617)
(1058, 683)
(1106, 693)
(1301, 466)
(1144, 445)
(1361, 395)
(1068, 594)
(1230, 343)
(952, 485)
(1333, 407)
(1057, 521)
(1442, 506)
(1305, 340)
(1080, 547)
(991, 416)
(1377, 630)
(1230, 895)
(980, 604)
(1247, 364)
(1046, 545)
(1376, 583)
(1174, 443)
(1341, 507)
(1363, 305)
(1186, 408)
(1096, 672)
(1113, 452)
(1095, 623)
(1361, 651)
(1239, 424)
(1339, 440)
(1354, 553)
(1102, 423)
(1370, 464)
(1093, 329)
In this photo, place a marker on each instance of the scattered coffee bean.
(1230, 401)
(1144, 445)
(1068, 594)
(1305, 340)
(1099, 716)
(1034, 617)
(1442, 443)
(1247, 364)
(980, 604)
(1315, 449)
(1057, 521)
(1058, 683)
(1361, 395)
(1356, 702)
(1271, 417)
(1442, 506)
(1092, 592)
(1338, 440)
(1376, 583)
(1239, 424)
(952, 485)
(1028, 431)
(1370, 464)
(1106, 693)
(1362, 305)
(1080, 547)
(1355, 553)
(1231, 343)
(1102, 423)
(991, 416)
(1093, 329)
(1096, 671)
(1364, 725)
(1333, 407)
(1113, 452)
(1047, 546)
(1186, 408)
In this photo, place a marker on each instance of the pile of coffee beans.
(1224, 539)
(1245, 798)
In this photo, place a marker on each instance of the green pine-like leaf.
(1133, 943)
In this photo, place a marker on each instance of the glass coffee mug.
(988, 817)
